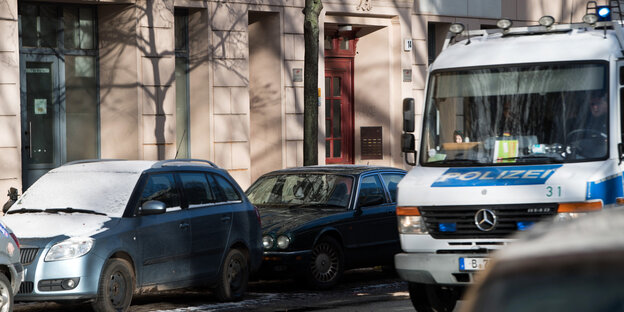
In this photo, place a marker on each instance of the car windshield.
(301, 190)
(541, 113)
(587, 289)
(92, 191)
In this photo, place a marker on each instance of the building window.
(182, 83)
(64, 37)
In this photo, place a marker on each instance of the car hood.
(41, 225)
(281, 220)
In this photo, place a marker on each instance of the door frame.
(58, 104)
(342, 67)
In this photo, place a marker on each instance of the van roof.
(572, 42)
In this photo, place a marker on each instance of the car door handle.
(225, 218)
(184, 226)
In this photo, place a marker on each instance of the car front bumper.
(276, 263)
(427, 268)
(41, 276)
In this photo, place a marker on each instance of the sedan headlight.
(69, 249)
(283, 241)
(268, 241)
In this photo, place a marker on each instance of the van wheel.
(233, 277)
(326, 264)
(6, 294)
(115, 288)
(432, 298)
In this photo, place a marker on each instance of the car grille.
(26, 287)
(27, 255)
(459, 221)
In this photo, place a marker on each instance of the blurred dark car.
(318, 221)
(572, 266)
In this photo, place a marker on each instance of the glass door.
(41, 118)
(338, 111)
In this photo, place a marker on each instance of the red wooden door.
(339, 110)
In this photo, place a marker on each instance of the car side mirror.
(12, 199)
(152, 207)
(408, 145)
(371, 200)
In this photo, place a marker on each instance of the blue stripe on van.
(607, 189)
(496, 176)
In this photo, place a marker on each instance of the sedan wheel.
(326, 265)
(6, 294)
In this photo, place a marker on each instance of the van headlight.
(69, 249)
(412, 225)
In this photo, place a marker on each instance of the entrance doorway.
(58, 87)
(40, 115)
(339, 56)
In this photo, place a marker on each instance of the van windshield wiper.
(454, 161)
(73, 210)
(534, 158)
(24, 210)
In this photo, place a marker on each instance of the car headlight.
(411, 225)
(268, 241)
(283, 241)
(69, 249)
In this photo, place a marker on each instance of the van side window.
(161, 187)
(196, 189)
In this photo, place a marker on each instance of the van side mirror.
(12, 194)
(408, 145)
(408, 115)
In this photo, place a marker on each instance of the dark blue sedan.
(318, 221)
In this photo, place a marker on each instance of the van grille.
(27, 255)
(459, 221)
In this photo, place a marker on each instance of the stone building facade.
(219, 80)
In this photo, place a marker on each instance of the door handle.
(184, 226)
(225, 218)
(29, 139)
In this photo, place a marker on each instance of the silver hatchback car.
(103, 230)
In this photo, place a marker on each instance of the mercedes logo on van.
(485, 220)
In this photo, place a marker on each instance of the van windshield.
(539, 113)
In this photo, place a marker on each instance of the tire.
(6, 294)
(432, 298)
(326, 264)
(116, 287)
(233, 277)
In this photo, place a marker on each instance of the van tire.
(116, 287)
(432, 298)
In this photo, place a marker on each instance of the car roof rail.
(169, 162)
(86, 161)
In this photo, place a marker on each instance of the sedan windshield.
(294, 190)
(544, 113)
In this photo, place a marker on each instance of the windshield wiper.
(454, 161)
(72, 210)
(316, 205)
(534, 158)
(24, 210)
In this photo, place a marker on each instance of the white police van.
(520, 124)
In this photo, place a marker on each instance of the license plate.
(473, 264)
